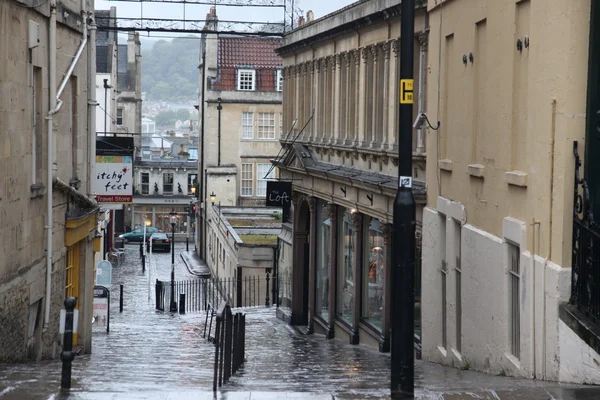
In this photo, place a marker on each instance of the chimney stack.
(310, 16)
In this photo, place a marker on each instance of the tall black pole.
(201, 169)
(219, 108)
(403, 259)
(173, 307)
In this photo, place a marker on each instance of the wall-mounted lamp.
(343, 189)
(464, 59)
(370, 197)
(353, 211)
(519, 45)
(213, 197)
(471, 58)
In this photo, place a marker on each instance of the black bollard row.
(66, 356)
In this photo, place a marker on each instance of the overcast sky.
(148, 9)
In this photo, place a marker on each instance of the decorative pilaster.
(384, 340)
(336, 71)
(356, 97)
(372, 135)
(383, 135)
(392, 132)
(346, 101)
(362, 95)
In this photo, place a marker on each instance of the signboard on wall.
(113, 180)
(279, 194)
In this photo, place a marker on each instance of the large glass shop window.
(323, 261)
(373, 278)
(345, 282)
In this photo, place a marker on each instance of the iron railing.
(247, 291)
(585, 271)
(230, 343)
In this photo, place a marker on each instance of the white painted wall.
(485, 299)
(180, 176)
(579, 362)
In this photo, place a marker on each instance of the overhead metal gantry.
(184, 25)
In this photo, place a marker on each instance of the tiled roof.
(258, 52)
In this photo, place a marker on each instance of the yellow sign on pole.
(406, 91)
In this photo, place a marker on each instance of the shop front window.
(373, 277)
(162, 219)
(323, 261)
(285, 276)
(345, 281)
(140, 215)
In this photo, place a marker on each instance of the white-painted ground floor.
(487, 305)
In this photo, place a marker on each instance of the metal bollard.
(143, 263)
(66, 355)
(121, 298)
(187, 244)
(141, 249)
(182, 303)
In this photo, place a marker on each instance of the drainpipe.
(420, 100)
(92, 103)
(55, 106)
(219, 108)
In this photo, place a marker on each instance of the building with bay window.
(334, 253)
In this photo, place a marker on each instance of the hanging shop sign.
(113, 178)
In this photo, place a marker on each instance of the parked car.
(137, 235)
(160, 242)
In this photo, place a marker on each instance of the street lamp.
(173, 217)
(146, 224)
(213, 197)
(194, 191)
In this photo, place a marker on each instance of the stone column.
(356, 270)
(384, 340)
(317, 102)
(394, 98)
(305, 99)
(284, 74)
(312, 236)
(333, 265)
(336, 70)
(423, 40)
(383, 133)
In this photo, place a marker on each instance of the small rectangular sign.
(279, 194)
(406, 91)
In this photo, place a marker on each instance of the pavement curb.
(187, 261)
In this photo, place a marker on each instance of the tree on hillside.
(166, 118)
(170, 69)
(183, 114)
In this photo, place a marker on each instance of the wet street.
(156, 355)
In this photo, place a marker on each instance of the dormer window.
(279, 81)
(246, 79)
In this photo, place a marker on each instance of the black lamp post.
(173, 217)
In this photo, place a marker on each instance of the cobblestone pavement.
(156, 355)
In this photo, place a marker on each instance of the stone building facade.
(47, 215)
(240, 118)
(335, 249)
(508, 239)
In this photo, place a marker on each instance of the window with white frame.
(261, 179)
(247, 125)
(168, 183)
(145, 183)
(266, 125)
(281, 124)
(514, 270)
(119, 116)
(246, 79)
(247, 180)
(279, 81)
